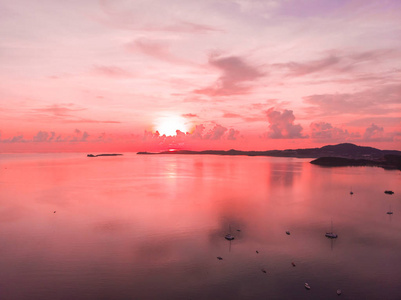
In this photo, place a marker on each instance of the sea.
(154, 227)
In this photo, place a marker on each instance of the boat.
(338, 292)
(330, 234)
(90, 155)
(307, 286)
(229, 236)
(388, 192)
(293, 264)
(219, 258)
(287, 232)
(390, 212)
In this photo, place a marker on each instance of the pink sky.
(120, 75)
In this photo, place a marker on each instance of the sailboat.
(330, 234)
(229, 236)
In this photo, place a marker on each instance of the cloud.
(282, 125)
(338, 63)
(63, 110)
(65, 113)
(151, 47)
(374, 101)
(112, 72)
(177, 17)
(373, 132)
(15, 139)
(299, 69)
(236, 74)
(216, 133)
(231, 115)
(325, 131)
(191, 27)
(50, 137)
(190, 116)
(44, 136)
(198, 132)
(232, 134)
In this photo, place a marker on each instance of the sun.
(168, 125)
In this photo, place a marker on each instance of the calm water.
(151, 227)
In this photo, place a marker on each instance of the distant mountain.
(345, 150)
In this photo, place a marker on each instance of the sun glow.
(168, 125)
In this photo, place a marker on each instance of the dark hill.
(345, 150)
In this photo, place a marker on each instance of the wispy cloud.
(64, 113)
(375, 101)
(190, 116)
(296, 69)
(62, 110)
(131, 16)
(235, 78)
(112, 71)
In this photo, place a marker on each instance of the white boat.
(307, 286)
(330, 234)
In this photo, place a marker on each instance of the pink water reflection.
(152, 226)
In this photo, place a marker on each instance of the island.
(345, 154)
(386, 162)
(110, 154)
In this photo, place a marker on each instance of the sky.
(151, 75)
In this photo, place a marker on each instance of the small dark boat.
(330, 234)
(229, 237)
(293, 264)
(287, 232)
(257, 251)
(91, 155)
(264, 271)
(389, 192)
(219, 258)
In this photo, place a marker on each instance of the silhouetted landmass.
(341, 150)
(345, 154)
(387, 162)
(110, 154)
